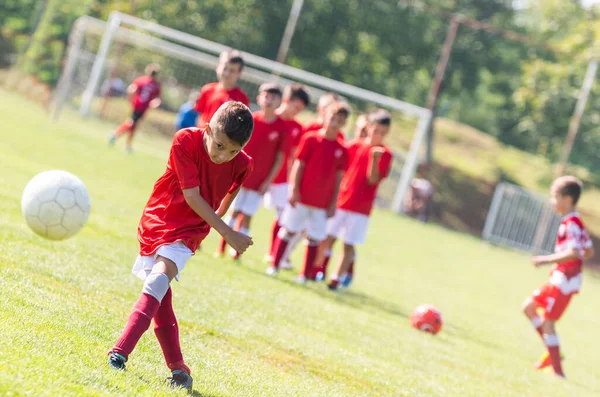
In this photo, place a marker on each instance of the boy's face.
(295, 106)
(229, 73)
(220, 148)
(268, 100)
(334, 122)
(561, 203)
(377, 132)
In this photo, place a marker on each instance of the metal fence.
(521, 219)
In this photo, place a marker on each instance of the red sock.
(222, 246)
(308, 270)
(280, 246)
(554, 350)
(167, 333)
(274, 231)
(139, 321)
(125, 126)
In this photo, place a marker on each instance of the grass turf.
(62, 305)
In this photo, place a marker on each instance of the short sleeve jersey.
(212, 96)
(356, 193)
(293, 130)
(267, 140)
(167, 218)
(323, 158)
(146, 90)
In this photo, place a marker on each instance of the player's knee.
(528, 306)
(156, 285)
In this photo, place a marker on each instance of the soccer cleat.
(545, 361)
(333, 285)
(129, 149)
(272, 271)
(181, 379)
(116, 361)
(320, 276)
(301, 279)
(286, 265)
(346, 280)
(112, 139)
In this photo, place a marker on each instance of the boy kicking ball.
(573, 245)
(205, 170)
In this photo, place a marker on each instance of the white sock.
(536, 322)
(551, 340)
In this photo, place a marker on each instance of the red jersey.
(267, 140)
(146, 90)
(323, 159)
(356, 194)
(317, 125)
(572, 234)
(293, 129)
(167, 218)
(212, 96)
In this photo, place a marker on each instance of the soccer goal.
(521, 219)
(104, 57)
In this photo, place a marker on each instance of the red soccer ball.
(427, 319)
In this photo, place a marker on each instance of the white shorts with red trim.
(303, 217)
(277, 196)
(178, 252)
(247, 202)
(349, 226)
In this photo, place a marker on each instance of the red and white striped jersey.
(572, 234)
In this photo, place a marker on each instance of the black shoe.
(181, 379)
(116, 361)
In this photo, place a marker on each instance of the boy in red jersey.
(325, 100)
(144, 93)
(370, 162)
(295, 99)
(205, 170)
(316, 175)
(573, 245)
(213, 95)
(269, 145)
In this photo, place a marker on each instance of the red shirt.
(146, 90)
(571, 234)
(293, 129)
(212, 96)
(323, 159)
(267, 140)
(356, 194)
(167, 218)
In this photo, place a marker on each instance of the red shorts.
(551, 300)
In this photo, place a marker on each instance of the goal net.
(104, 57)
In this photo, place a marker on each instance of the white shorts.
(277, 196)
(247, 202)
(302, 217)
(177, 252)
(350, 226)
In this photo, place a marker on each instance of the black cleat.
(181, 379)
(116, 361)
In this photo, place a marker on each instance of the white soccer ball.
(55, 204)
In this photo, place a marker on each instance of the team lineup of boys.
(321, 188)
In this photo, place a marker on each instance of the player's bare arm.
(564, 256)
(238, 241)
(132, 89)
(279, 158)
(338, 180)
(374, 176)
(155, 103)
(296, 177)
(226, 203)
(588, 253)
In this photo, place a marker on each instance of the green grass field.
(62, 305)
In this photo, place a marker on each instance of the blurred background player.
(204, 173)
(268, 147)
(295, 100)
(369, 163)
(187, 116)
(573, 245)
(316, 175)
(360, 127)
(213, 95)
(144, 93)
(418, 199)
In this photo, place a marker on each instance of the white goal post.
(87, 64)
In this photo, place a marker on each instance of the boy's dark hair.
(340, 108)
(297, 92)
(152, 69)
(232, 56)
(380, 116)
(569, 186)
(235, 120)
(270, 88)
